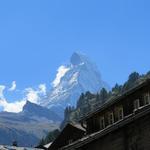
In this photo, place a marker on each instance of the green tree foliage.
(80, 102)
(51, 136)
(103, 95)
(89, 95)
(116, 89)
(133, 77)
(42, 142)
(148, 73)
(68, 111)
(67, 114)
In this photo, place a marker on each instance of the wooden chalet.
(70, 133)
(122, 123)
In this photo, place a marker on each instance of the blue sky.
(37, 36)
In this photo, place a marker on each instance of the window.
(70, 141)
(120, 113)
(146, 99)
(136, 104)
(102, 123)
(111, 118)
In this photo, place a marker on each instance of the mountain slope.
(28, 126)
(79, 76)
(32, 110)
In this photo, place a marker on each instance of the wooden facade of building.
(70, 133)
(123, 123)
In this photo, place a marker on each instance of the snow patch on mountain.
(74, 78)
(62, 70)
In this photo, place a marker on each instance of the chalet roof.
(143, 82)
(69, 130)
(47, 145)
(77, 125)
(128, 119)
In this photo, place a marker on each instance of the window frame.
(111, 118)
(147, 98)
(102, 122)
(120, 115)
(70, 141)
(136, 104)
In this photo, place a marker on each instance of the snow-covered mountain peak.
(79, 59)
(76, 59)
(79, 76)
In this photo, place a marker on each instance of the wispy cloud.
(13, 106)
(62, 70)
(13, 86)
(7, 106)
(32, 95)
(42, 88)
(2, 88)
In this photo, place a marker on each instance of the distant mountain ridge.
(79, 76)
(31, 109)
(28, 126)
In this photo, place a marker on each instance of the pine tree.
(42, 142)
(133, 77)
(116, 89)
(148, 73)
(51, 136)
(80, 102)
(103, 95)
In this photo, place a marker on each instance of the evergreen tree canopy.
(133, 77)
(80, 102)
(116, 89)
(51, 136)
(103, 95)
(148, 73)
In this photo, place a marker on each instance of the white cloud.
(32, 95)
(62, 70)
(12, 107)
(2, 88)
(42, 88)
(13, 87)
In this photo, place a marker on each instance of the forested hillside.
(89, 102)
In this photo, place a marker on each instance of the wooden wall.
(134, 136)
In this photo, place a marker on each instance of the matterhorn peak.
(80, 59)
(79, 76)
(76, 59)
